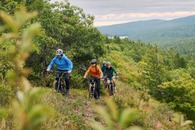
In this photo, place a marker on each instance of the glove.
(69, 71)
(48, 69)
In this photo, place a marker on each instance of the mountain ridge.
(155, 30)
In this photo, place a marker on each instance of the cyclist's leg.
(57, 79)
(67, 80)
(97, 80)
(105, 82)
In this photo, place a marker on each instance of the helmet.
(59, 52)
(104, 62)
(93, 61)
(108, 63)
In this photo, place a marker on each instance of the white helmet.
(108, 63)
(59, 52)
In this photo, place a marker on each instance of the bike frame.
(109, 86)
(61, 83)
(92, 87)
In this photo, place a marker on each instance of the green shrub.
(5, 95)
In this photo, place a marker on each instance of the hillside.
(78, 111)
(160, 32)
(155, 88)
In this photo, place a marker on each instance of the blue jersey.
(62, 63)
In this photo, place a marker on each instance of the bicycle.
(110, 86)
(59, 85)
(92, 88)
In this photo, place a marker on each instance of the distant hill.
(156, 31)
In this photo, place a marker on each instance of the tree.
(63, 26)
(154, 69)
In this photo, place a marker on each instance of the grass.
(76, 112)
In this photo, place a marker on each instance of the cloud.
(151, 15)
(112, 16)
(119, 11)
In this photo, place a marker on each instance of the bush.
(5, 95)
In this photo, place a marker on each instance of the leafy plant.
(114, 119)
(28, 113)
(182, 123)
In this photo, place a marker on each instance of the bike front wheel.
(90, 92)
(110, 89)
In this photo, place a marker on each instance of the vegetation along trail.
(155, 87)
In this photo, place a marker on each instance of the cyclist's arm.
(51, 64)
(115, 72)
(86, 73)
(101, 73)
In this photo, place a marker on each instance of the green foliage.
(192, 72)
(114, 119)
(67, 27)
(182, 123)
(6, 95)
(17, 50)
(63, 26)
(179, 93)
(29, 113)
(156, 68)
(154, 71)
(182, 46)
(73, 113)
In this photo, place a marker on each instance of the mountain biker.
(63, 64)
(109, 72)
(103, 67)
(104, 63)
(96, 74)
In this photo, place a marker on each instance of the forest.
(155, 88)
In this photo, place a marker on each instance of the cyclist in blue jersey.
(63, 64)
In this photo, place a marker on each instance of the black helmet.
(93, 61)
(59, 52)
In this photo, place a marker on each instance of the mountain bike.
(110, 86)
(92, 88)
(92, 93)
(59, 85)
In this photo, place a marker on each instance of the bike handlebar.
(57, 71)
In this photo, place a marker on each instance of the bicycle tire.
(58, 85)
(95, 95)
(54, 85)
(62, 89)
(91, 91)
(110, 90)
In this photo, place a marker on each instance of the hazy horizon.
(109, 12)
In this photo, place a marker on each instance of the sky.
(109, 12)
